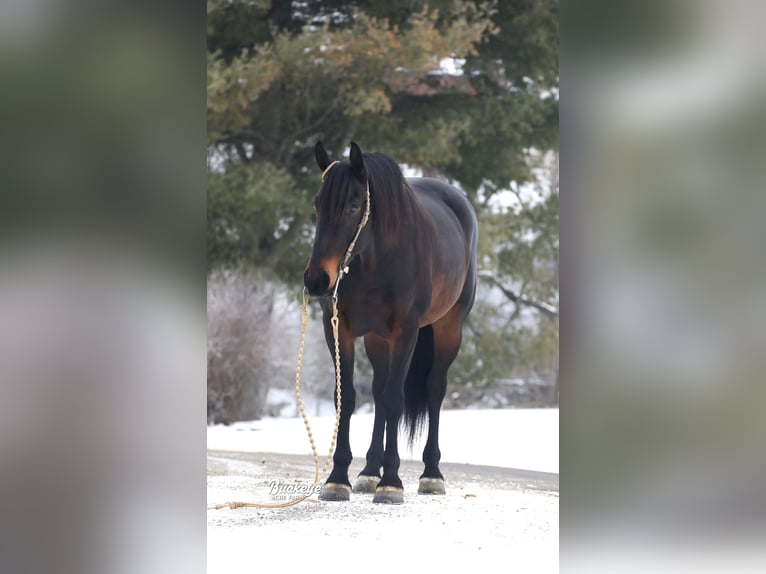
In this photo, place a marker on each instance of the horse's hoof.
(366, 484)
(389, 495)
(335, 492)
(431, 486)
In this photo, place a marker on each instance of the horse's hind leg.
(447, 333)
(377, 352)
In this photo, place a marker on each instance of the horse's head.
(339, 208)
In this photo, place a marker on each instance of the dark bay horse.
(410, 284)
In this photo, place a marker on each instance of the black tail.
(415, 389)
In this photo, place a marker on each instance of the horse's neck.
(419, 230)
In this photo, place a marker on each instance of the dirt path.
(489, 514)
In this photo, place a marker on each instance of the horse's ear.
(321, 156)
(357, 162)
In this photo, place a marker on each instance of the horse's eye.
(351, 209)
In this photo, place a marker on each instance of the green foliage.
(512, 331)
(251, 210)
(519, 244)
(294, 87)
(494, 350)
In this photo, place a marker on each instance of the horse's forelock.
(336, 190)
(394, 205)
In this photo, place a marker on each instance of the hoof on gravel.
(335, 492)
(389, 495)
(366, 484)
(431, 486)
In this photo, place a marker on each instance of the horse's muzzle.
(317, 283)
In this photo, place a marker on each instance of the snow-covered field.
(513, 438)
(493, 515)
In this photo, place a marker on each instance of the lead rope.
(317, 474)
(304, 323)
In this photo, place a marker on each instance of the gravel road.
(489, 514)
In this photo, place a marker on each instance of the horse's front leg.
(402, 344)
(337, 486)
(379, 356)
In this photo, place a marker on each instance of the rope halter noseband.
(343, 269)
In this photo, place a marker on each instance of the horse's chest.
(366, 313)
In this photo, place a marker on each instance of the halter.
(343, 269)
(328, 168)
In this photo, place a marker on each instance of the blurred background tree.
(464, 91)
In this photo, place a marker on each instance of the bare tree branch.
(551, 314)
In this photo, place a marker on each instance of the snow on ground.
(513, 438)
(492, 517)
